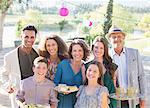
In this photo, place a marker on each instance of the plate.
(36, 106)
(66, 89)
(125, 97)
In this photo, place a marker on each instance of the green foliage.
(4, 5)
(19, 27)
(143, 9)
(96, 30)
(145, 22)
(147, 34)
(89, 39)
(108, 21)
(31, 17)
(124, 19)
(34, 17)
(76, 21)
(62, 24)
(85, 29)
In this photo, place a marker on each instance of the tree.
(108, 19)
(124, 19)
(62, 24)
(31, 17)
(4, 5)
(145, 23)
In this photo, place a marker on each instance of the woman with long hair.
(54, 49)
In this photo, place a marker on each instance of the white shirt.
(120, 60)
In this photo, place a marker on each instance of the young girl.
(93, 94)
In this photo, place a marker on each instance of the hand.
(142, 104)
(10, 89)
(20, 103)
(12, 85)
(66, 92)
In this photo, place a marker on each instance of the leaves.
(4, 5)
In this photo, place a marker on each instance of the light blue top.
(120, 60)
(66, 75)
(90, 101)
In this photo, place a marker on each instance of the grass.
(139, 44)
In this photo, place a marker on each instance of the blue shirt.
(66, 75)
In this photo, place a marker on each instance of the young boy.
(37, 89)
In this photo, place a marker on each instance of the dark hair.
(30, 27)
(100, 68)
(107, 60)
(62, 47)
(83, 45)
(39, 60)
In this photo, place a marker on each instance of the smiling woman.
(72, 72)
(54, 49)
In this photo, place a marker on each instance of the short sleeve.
(80, 90)
(102, 90)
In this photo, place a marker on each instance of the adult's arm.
(142, 80)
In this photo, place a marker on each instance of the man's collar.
(114, 53)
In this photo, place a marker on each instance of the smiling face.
(28, 38)
(77, 52)
(98, 50)
(117, 40)
(52, 47)
(40, 69)
(92, 73)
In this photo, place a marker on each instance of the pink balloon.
(63, 11)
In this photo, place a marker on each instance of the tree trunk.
(2, 17)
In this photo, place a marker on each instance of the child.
(37, 89)
(93, 94)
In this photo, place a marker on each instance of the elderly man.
(130, 68)
(18, 63)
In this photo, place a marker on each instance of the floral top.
(52, 69)
(90, 101)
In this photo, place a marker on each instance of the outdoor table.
(125, 97)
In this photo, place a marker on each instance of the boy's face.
(40, 69)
